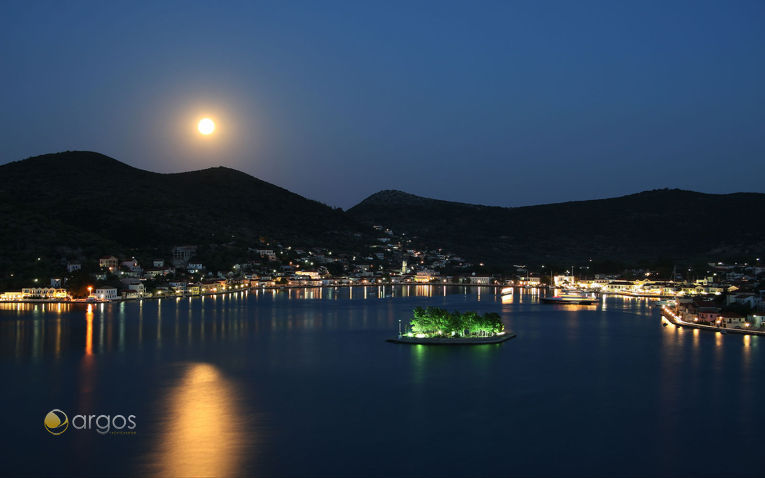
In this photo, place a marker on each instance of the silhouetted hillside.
(83, 200)
(669, 224)
(84, 204)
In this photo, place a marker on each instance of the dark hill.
(71, 200)
(652, 225)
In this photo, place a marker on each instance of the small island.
(435, 326)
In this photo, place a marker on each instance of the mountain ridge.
(82, 204)
(654, 225)
(384, 196)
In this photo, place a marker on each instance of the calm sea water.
(302, 383)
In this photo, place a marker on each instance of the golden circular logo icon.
(56, 422)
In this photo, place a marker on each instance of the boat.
(506, 291)
(571, 297)
(667, 302)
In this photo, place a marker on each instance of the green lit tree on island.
(434, 322)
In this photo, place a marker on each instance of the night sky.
(506, 103)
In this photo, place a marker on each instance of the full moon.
(206, 126)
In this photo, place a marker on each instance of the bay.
(301, 382)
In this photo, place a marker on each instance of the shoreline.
(114, 301)
(247, 289)
(669, 317)
(287, 287)
(494, 339)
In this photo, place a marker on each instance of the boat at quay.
(570, 297)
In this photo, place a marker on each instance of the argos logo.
(56, 422)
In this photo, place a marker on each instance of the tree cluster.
(436, 321)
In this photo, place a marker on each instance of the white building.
(136, 286)
(268, 253)
(560, 280)
(307, 275)
(425, 276)
(43, 293)
(618, 286)
(530, 281)
(12, 296)
(748, 299)
(178, 286)
(105, 294)
(109, 262)
(154, 273)
(480, 280)
(131, 265)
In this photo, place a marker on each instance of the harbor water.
(302, 382)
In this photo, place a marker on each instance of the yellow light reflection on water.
(696, 334)
(204, 431)
(89, 330)
(57, 342)
(747, 351)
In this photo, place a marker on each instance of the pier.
(670, 317)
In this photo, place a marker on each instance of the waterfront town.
(725, 292)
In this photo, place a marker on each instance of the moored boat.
(571, 297)
(662, 303)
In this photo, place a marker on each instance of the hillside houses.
(387, 258)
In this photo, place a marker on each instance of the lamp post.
(399, 328)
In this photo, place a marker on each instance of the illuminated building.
(105, 294)
(480, 280)
(109, 262)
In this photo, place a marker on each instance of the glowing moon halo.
(206, 126)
